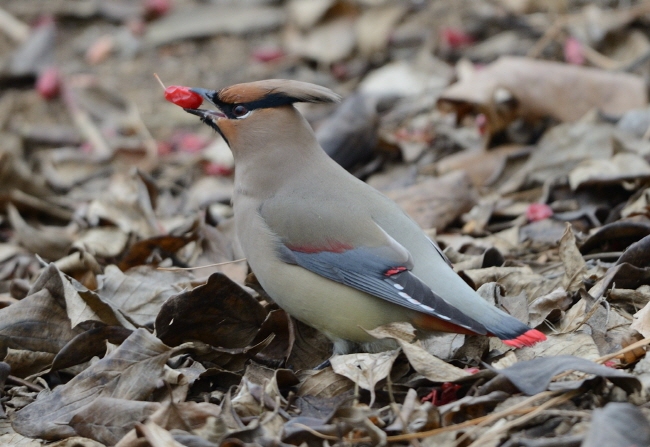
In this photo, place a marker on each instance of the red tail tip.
(528, 338)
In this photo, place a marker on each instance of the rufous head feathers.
(275, 92)
(263, 99)
(266, 94)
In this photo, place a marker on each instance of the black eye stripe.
(270, 100)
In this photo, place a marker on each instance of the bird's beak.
(205, 114)
(206, 94)
(209, 117)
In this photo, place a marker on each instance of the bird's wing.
(379, 265)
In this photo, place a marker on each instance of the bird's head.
(258, 109)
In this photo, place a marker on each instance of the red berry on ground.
(482, 123)
(156, 8)
(48, 83)
(574, 52)
(267, 54)
(183, 97)
(217, 169)
(456, 37)
(538, 211)
(448, 392)
(86, 148)
(188, 142)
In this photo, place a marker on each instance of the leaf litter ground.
(517, 135)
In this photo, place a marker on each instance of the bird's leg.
(323, 365)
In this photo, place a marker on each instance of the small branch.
(155, 75)
(173, 269)
(632, 347)
(514, 410)
(549, 36)
(490, 418)
(25, 383)
(489, 436)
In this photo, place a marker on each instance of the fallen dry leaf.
(140, 292)
(50, 243)
(578, 344)
(641, 322)
(131, 372)
(574, 265)
(429, 366)
(326, 43)
(324, 384)
(620, 168)
(505, 84)
(534, 376)
(37, 323)
(365, 369)
(483, 167)
(108, 420)
(209, 20)
(81, 304)
(618, 423)
(86, 345)
(435, 202)
(375, 26)
(219, 312)
(307, 13)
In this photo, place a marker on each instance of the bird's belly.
(338, 311)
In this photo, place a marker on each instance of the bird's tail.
(528, 338)
(499, 324)
(511, 331)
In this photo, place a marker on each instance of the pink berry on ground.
(538, 211)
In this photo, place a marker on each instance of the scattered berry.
(188, 142)
(340, 70)
(86, 148)
(156, 8)
(267, 54)
(482, 123)
(217, 169)
(455, 37)
(48, 83)
(538, 211)
(574, 51)
(447, 393)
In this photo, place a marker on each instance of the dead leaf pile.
(517, 133)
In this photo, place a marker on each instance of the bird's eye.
(240, 111)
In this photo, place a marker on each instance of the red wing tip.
(528, 338)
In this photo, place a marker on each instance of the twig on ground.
(173, 269)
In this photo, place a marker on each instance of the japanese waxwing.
(329, 249)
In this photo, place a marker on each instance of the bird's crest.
(273, 93)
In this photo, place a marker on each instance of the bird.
(329, 249)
